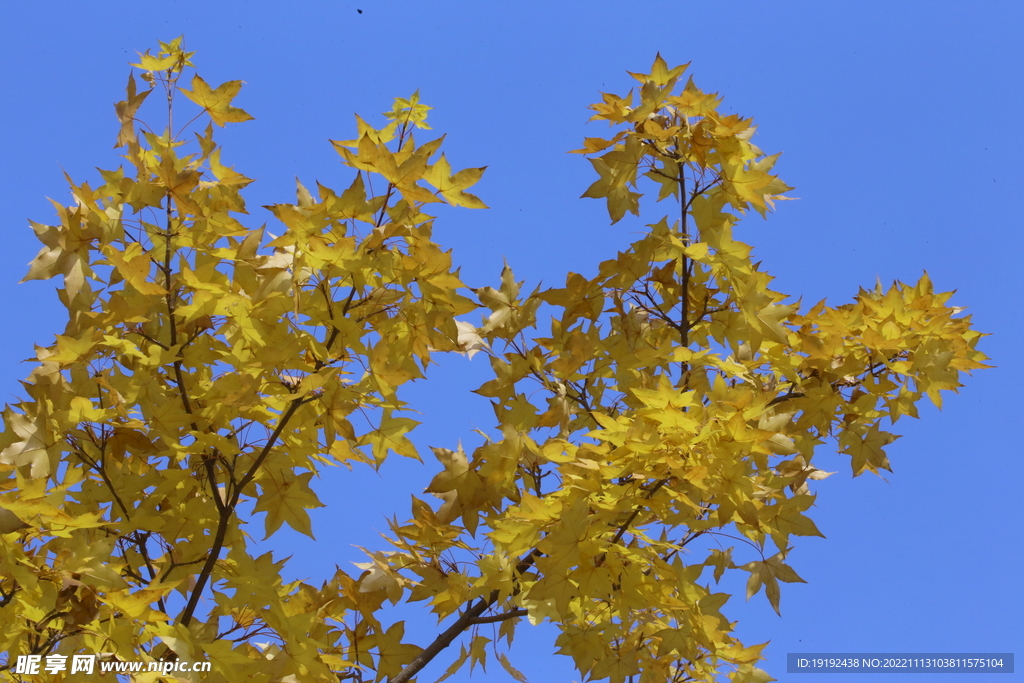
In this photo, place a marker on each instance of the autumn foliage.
(657, 433)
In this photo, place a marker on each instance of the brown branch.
(445, 639)
(684, 294)
(692, 536)
(138, 330)
(785, 397)
(211, 475)
(467, 619)
(228, 512)
(622, 529)
(7, 596)
(100, 469)
(384, 207)
(512, 614)
(174, 565)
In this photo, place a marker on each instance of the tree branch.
(512, 614)
(468, 618)
(229, 510)
(622, 529)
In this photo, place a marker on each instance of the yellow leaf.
(410, 111)
(452, 187)
(9, 522)
(217, 102)
(867, 450)
(478, 652)
(768, 573)
(126, 113)
(392, 653)
(660, 73)
(456, 665)
(285, 498)
(512, 671)
(32, 449)
(134, 266)
(390, 437)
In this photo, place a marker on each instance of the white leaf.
(469, 340)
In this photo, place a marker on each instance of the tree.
(201, 380)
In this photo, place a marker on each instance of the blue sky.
(900, 127)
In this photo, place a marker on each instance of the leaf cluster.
(665, 420)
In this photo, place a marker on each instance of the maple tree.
(669, 416)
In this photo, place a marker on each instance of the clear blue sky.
(900, 124)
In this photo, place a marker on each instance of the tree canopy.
(658, 432)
